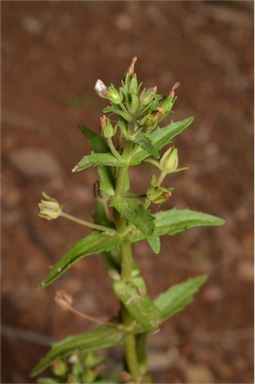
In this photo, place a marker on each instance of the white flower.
(50, 208)
(101, 89)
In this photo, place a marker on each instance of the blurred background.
(52, 54)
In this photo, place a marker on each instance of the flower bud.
(152, 119)
(167, 104)
(133, 86)
(134, 104)
(169, 160)
(114, 95)
(157, 194)
(147, 95)
(59, 367)
(107, 128)
(50, 208)
(101, 89)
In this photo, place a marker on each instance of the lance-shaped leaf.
(144, 142)
(140, 306)
(100, 338)
(133, 210)
(178, 296)
(159, 138)
(177, 220)
(96, 141)
(99, 159)
(96, 242)
(99, 146)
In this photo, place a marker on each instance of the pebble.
(198, 374)
(33, 162)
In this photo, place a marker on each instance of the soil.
(52, 54)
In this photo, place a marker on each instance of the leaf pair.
(166, 222)
(144, 148)
(165, 305)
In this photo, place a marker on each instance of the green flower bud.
(133, 85)
(50, 208)
(147, 95)
(114, 95)
(167, 104)
(59, 367)
(169, 161)
(152, 119)
(107, 128)
(134, 103)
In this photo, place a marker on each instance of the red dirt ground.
(52, 54)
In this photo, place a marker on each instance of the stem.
(113, 149)
(131, 356)
(102, 228)
(161, 177)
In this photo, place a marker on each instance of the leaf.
(144, 142)
(178, 296)
(106, 183)
(96, 141)
(133, 210)
(99, 159)
(100, 338)
(177, 220)
(96, 242)
(140, 307)
(159, 138)
(99, 146)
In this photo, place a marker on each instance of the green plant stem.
(88, 224)
(161, 177)
(113, 149)
(126, 269)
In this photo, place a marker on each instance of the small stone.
(198, 374)
(33, 162)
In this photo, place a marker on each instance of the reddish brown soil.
(52, 54)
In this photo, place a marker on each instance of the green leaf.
(99, 146)
(99, 159)
(177, 220)
(102, 337)
(178, 296)
(96, 242)
(140, 307)
(145, 143)
(159, 138)
(106, 183)
(96, 141)
(133, 210)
